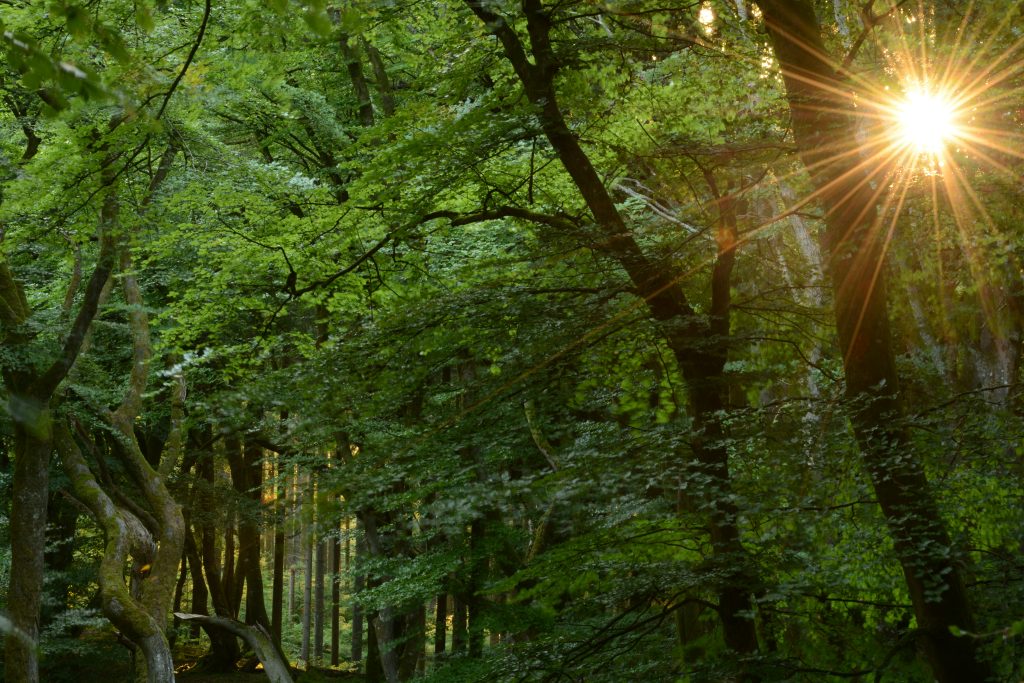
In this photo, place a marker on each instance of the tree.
(527, 300)
(854, 240)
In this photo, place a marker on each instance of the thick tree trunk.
(124, 534)
(857, 249)
(459, 638)
(414, 637)
(32, 446)
(29, 395)
(374, 670)
(385, 624)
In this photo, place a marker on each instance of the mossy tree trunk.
(155, 540)
(30, 391)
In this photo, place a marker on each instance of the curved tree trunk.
(125, 535)
(255, 637)
(700, 347)
(141, 614)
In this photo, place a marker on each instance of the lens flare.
(926, 121)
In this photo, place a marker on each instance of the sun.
(926, 121)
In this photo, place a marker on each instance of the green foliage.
(492, 393)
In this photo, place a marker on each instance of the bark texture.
(855, 244)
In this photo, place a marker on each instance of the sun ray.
(879, 263)
(957, 187)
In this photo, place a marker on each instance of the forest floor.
(313, 675)
(188, 654)
(299, 676)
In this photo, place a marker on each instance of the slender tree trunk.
(474, 601)
(307, 593)
(179, 587)
(277, 592)
(335, 600)
(200, 592)
(291, 595)
(228, 577)
(318, 603)
(358, 581)
(247, 477)
(856, 246)
(224, 646)
(440, 623)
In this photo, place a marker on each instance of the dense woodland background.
(499, 341)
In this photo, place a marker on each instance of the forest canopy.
(481, 340)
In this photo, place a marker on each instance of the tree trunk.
(232, 591)
(458, 623)
(291, 595)
(307, 594)
(474, 601)
(179, 586)
(414, 637)
(32, 445)
(440, 623)
(140, 618)
(255, 636)
(277, 592)
(28, 404)
(335, 600)
(200, 592)
(318, 603)
(384, 623)
(224, 646)
(857, 250)
(699, 346)
(247, 477)
(358, 581)
(374, 670)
